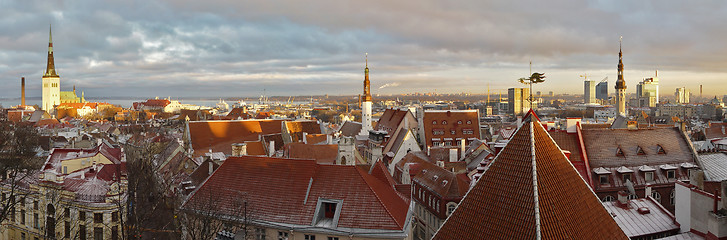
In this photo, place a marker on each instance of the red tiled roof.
(503, 203)
(350, 129)
(390, 120)
(219, 135)
(448, 121)
(297, 128)
(276, 191)
(156, 102)
(715, 131)
(316, 138)
(324, 154)
(603, 144)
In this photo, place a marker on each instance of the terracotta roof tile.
(324, 154)
(219, 135)
(503, 205)
(459, 121)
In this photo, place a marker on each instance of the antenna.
(367, 60)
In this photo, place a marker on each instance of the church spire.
(367, 83)
(50, 70)
(620, 83)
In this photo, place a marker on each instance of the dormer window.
(444, 122)
(459, 122)
(649, 176)
(640, 151)
(660, 150)
(469, 122)
(434, 122)
(327, 213)
(627, 177)
(619, 152)
(670, 174)
(603, 179)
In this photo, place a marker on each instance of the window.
(660, 150)
(115, 233)
(35, 220)
(632, 196)
(67, 229)
(81, 215)
(670, 174)
(22, 216)
(332, 238)
(608, 198)
(444, 122)
(97, 233)
(330, 209)
(35, 205)
(98, 218)
(434, 122)
(260, 234)
(649, 176)
(114, 216)
(603, 178)
(282, 235)
(452, 131)
(671, 197)
(67, 212)
(640, 151)
(310, 237)
(619, 152)
(656, 195)
(12, 214)
(450, 208)
(22, 236)
(627, 177)
(469, 121)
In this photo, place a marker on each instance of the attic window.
(459, 122)
(469, 121)
(444, 122)
(619, 152)
(640, 151)
(435, 177)
(660, 150)
(327, 213)
(434, 122)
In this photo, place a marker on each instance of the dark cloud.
(242, 48)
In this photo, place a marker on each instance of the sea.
(127, 103)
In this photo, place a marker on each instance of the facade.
(647, 91)
(677, 110)
(517, 100)
(589, 91)
(602, 91)
(51, 81)
(78, 194)
(449, 127)
(620, 85)
(681, 95)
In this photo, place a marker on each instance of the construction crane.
(585, 76)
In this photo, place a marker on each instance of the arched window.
(632, 196)
(608, 198)
(671, 197)
(656, 195)
(451, 206)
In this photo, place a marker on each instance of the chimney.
(239, 149)
(211, 168)
(632, 125)
(22, 91)
(647, 190)
(305, 137)
(329, 139)
(570, 125)
(429, 150)
(519, 121)
(271, 148)
(452, 155)
(622, 200)
(99, 141)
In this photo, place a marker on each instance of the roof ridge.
(386, 207)
(535, 181)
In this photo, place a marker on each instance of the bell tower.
(620, 83)
(366, 102)
(51, 80)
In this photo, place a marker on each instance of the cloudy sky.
(220, 48)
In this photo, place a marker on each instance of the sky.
(220, 48)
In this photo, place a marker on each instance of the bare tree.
(208, 213)
(18, 165)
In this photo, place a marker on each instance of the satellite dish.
(630, 186)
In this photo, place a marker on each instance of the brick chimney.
(622, 200)
(239, 149)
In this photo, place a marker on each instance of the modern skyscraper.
(681, 95)
(620, 84)
(51, 80)
(648, 92)
(589, 91)
(602, 91)
(366, 103)
(517, 100)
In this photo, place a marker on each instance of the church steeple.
(620, 83)
(50, 70)
(367, 83)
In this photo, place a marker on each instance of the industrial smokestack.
(22, 91)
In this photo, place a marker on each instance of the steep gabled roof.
(219, 135)
(530, 191)
(286, 191)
